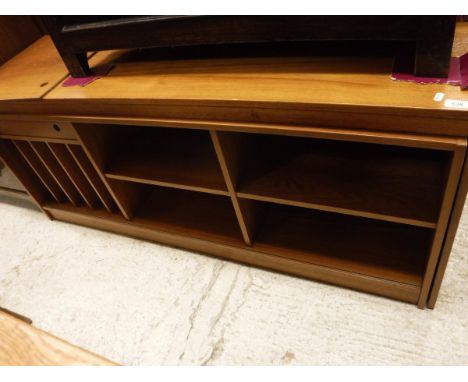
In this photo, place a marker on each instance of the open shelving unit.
(398, 184)
(167, 157)
(365, 215)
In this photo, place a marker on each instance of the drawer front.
(42, 130)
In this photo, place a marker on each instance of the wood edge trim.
(38, 139)
(450, 236)
(339, 210)
(369, 136)
(442, 224)
(166, 184)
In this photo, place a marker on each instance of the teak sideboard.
(319, 167)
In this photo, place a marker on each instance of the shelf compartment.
(25, 174)
(29, 155)
(92, 176)
(179, 158)
(56, 172)
(398, 184)
(50, 162)
(71, 168)
(189, 213)
(369, 247)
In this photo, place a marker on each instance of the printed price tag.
(455, 103)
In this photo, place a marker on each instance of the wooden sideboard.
(319, 167)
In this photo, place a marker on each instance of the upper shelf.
(180, 158)
(390, 183)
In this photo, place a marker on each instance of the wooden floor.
(23, 345)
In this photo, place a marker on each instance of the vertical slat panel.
(25, 175)
(90, 173)
(96, 142)
(56, 170)
(38, 167)
(67, 162)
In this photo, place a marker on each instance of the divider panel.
(56, 170)
(92, 176)
(19, 167)
(38, 167)
(229, 147)
(69, 165)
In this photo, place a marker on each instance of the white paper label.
(439, 97)
(456, 103)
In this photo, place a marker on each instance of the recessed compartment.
(370, 247)
(56, 173)
(400, 184)
(180, 158)
(189, 213)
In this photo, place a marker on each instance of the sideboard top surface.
(349, 84)
(363, 81)
(32, 73)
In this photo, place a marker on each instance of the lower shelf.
(339, 256)
(189, 213)
(380, 249)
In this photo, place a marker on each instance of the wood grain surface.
(24, 345)
(358, 81)
(32, 73)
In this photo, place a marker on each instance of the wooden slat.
(93, 178)
(25, 175)
(43, 174)
(56, 170)
(73, 171)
